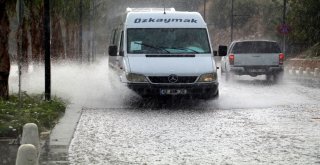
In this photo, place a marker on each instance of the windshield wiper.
(194, 51)
(154, 47)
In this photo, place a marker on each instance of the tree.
(4, 54)
(303, 17)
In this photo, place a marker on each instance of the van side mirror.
(222, 50)
(113, 50)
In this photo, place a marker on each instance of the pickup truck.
(253, 57)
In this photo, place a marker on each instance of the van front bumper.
(187, 89)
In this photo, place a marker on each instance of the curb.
(303, 72)
(56, 148)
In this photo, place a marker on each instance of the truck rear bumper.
(256, 70)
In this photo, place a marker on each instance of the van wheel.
(210, 95)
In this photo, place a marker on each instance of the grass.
(312, 53)
(34, 109)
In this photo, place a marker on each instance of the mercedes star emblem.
(173, 78)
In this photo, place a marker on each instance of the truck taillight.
(231, 59)
(281, 58)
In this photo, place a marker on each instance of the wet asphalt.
(254, 121)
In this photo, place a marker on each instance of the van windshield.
(256, 47)
(167, 41)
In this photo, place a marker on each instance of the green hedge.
(34, 109)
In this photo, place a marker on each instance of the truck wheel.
(278, 77)
(269, 77)
(228, 76)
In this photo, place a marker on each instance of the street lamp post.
(47, 63)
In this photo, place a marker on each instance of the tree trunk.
(68, 40)
(57, 50)
(23, 42)
(36, 32)
(4, 54)
(71, 41)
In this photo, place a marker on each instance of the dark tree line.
(304, 19)
(29, 33)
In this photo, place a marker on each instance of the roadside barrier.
(316, 72)
(29, 151)
(27, 155)
(303, 72)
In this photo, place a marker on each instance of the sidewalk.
(55, 149)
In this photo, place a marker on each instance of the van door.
(120, 56)
(114, 42)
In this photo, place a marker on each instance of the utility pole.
(90, 32)
(231, 21)
(204, 10)
(232, 18)
(93, 30)
(80, 31)
(47, 63)
(283, 23)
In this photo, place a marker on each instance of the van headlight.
(209, 77)
(133, 77)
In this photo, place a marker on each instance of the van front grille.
(165, 79)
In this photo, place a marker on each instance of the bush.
(33, 110)
(313, 52)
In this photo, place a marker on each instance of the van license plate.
(173, 91)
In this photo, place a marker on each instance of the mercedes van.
(164, 52)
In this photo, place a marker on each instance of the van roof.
(169, 19)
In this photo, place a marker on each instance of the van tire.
(208, 96)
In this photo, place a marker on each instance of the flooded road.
(252, 122)
(277, 135)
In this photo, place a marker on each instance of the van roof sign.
(148, 9)
(169, 20)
